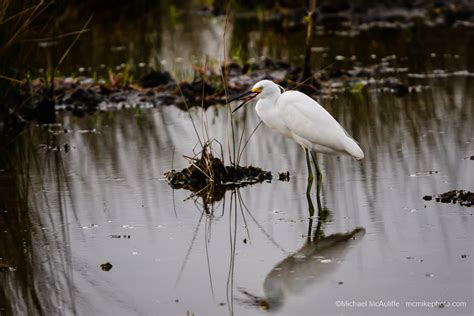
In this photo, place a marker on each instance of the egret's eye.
(257, 89)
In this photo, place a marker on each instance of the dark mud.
(82, 95)
(207, 177)
(465, 198)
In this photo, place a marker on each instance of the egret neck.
(266, 108)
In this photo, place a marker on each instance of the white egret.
(297, 116)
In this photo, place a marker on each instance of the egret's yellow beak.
(246, 96)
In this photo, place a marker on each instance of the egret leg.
(311, 214)
(310, 173)
(319, 179)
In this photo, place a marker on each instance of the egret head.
(260, 90)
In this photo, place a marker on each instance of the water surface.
(104, 199)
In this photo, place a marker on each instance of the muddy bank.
(207, 177)
(158, 88)
(465, 198)
(117, 89)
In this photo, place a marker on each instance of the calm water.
(159, 40)
(105, 200)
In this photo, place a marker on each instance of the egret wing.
(309, 120)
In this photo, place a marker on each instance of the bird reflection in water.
(318, 258)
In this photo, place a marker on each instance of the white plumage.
(299, 117)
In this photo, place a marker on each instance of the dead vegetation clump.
(209, 178)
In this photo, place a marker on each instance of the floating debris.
(87, 131)
(106, 266)
(426, 173)
(120, 236)
(427, 197)
(465, 198)
(284, 176)
(90, 226)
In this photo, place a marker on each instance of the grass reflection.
(233, 209)
(38, 281)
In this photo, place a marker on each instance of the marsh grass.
(23, 26)
(208, 177)
(17, 19)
